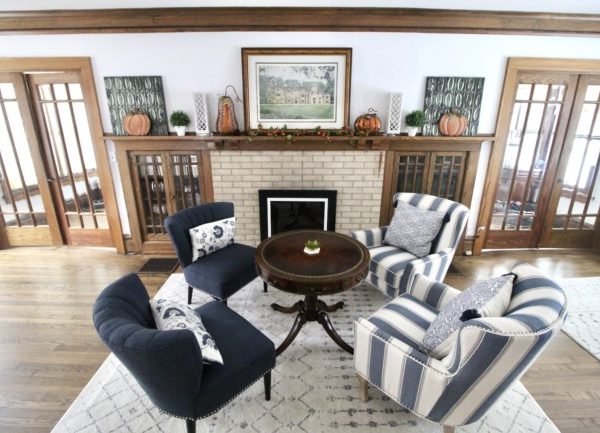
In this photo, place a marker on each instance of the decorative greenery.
(312, 244)
(179, 118)
(290, 133)
(415, 118)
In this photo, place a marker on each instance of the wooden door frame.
(514, 66)
(82, 66)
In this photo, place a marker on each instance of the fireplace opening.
(285, 210)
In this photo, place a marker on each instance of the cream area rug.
(314, 387)
(583, 318)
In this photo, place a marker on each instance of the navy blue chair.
(220, 274)
(168, 364)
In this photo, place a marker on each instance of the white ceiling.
(565, 6)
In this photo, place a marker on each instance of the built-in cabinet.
(443, 173)
(162, 175)
(158, 183)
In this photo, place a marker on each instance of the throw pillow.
(210, 237)
(170, 315)
(413, 229)
(490, 298)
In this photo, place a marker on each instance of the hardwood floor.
(49, 348)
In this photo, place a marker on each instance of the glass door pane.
(185, 175)
(150, 183)
(535, 115)
(21, 203)
(577, 194)
(72, 154)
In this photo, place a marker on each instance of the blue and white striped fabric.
(392, 269)
(490, 355)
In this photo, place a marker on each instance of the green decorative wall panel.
(144, 93)
(444, 93)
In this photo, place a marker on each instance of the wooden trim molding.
(212, 19)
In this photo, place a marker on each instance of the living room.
(92, 167)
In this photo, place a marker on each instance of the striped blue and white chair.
(392, 269)
(490, 353)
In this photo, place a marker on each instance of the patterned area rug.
(314, 387)
(583, 318)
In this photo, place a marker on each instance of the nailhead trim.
(220, 407)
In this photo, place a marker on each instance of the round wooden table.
(342, 263)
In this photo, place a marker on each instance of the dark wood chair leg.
(191, 425)
(190, 290)
(267, 378)
(265, 286)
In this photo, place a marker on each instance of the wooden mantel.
(281, 143)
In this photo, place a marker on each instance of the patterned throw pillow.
(210, 237)
(490, 298)
(170, 316)
(413, 229)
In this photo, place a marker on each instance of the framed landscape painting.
(302, 88)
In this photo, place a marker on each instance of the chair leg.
(267, 378)
(190, 290)
(265, 287)
(363, 387)
(191, 425)
(448, 429)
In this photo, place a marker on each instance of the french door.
(51, 191)
(547, 193)
(572, 219)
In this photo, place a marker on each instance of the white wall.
(382, 62)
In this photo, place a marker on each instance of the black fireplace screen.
(284, 210)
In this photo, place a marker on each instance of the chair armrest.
(433, 266)
(432, 292)
(370, 237)
(387, 363)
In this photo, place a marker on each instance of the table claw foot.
(323, 319)
(330, 308)
(298, 306)
(298, 324)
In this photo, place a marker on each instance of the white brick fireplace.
(356, 175)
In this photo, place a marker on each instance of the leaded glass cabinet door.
(537, 128)
(575, 198)
(446, 174)
(148, 170)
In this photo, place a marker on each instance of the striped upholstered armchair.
(490, 354)
(391, 269)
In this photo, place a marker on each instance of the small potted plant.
(414, 120)
(312, 247)
(179, 120)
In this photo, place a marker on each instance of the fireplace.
(290, 209)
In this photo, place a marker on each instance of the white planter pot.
(312, 252)
(180, 130)
(412, 130)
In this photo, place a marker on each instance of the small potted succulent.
(312, 247)
(414, 120)
(179, 120)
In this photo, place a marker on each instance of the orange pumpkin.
(136, 123)
(368, 122)
(453, 124)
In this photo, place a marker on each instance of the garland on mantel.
(315, 132)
